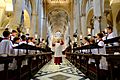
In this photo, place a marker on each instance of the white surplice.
(58, 50)
(22, 52)
(111, 35)
(5, 49)
(103, 62)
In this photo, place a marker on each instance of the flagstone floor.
(65, 71)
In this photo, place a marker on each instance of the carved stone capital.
(82, 15)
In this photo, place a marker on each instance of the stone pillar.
(33, 24)
(17, 13)
(77, 19)
(75, 16)
(34, 21)
(83, 25)
(44, 28)
(39, 20)
(97, 16)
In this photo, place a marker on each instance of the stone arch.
(58, 12)
(4, 23)
(89, 18)
(118, 23)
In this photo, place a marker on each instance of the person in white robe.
(5, 47)
(13, 35)
(103, 63)
(16, 42)
(32, 44)
(23, 41)
(85, 42)
(23, 51)
(110, 33)
(58, 52)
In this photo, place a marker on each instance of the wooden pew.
(25, 72)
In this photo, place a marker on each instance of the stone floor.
(65, 71)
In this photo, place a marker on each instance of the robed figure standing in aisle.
(58, 52)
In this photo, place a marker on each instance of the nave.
(86, 31)
(65, 71)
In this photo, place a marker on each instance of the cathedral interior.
(34, 34)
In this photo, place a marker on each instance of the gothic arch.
(118, 23)
(89, 17)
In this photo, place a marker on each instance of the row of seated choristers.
(7, 44)
(102, 43)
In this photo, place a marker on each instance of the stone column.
(34, 21)
(75, 16)
(39, 20)
(17, 13)
(44, 27)
(77, 19)
(83, 25)
(97, 16)
(33, 24)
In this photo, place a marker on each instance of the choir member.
(16, 42)
(31, 41)
(13, 35)
(110, 32)
(103, 63)
(5, 46)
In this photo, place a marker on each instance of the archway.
(118, 23)
(89, 21)
(58, 21)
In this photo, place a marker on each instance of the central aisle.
(65, 71)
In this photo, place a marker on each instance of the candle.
(36, 36)
(80, 36)
(27, 30)
(89, 30)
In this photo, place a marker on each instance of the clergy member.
(58, 52)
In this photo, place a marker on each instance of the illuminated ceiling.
(58, 13)
(58, 19)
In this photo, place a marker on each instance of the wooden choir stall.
(35, 57)
(81, 60)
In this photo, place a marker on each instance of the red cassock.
(58, 53)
